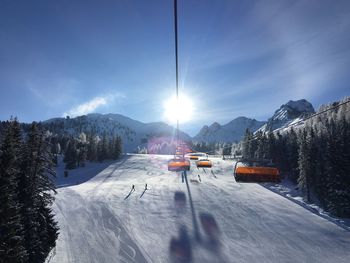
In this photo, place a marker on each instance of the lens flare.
(178, 109)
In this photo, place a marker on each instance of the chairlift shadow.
(181, 248)
(194, 218)
(212, 231)
(180, 199)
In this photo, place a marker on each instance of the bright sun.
(181, 109)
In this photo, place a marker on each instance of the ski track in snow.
(255, 224)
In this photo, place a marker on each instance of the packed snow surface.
(103, 220)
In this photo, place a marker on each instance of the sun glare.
(181, 109)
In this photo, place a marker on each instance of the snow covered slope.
(230, 132)
(288, 113)
(134, 133)
(101, 220)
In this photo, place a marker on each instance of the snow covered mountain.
(230, 132)
(133, 133)
(288, 113)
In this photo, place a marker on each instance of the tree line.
(28, 230)
(167, 146)
(77, 151)
(217, 148)
(316, 156)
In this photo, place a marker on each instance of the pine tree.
(92, 148)
(54, 149)
(314, 161)
(12, 247)
(292, 155)
(227, 149)
(118, 148)
(271, 147)
(100, 155)
(102, 149)
(320, 170)
(249, 145)
(71, 155)
(47, 232)
(345, 165)
(338, 181)
(81, 153)
(35, 192)
(281, 153)
(262, 148)
(110, 147)
(304, 164)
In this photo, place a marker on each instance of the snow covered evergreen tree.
(36, 196)
(116, 147)
(92, 148)
(102, 149)
(292, 155)
(249, 145)
(12, 247)
(71, 154)
(262, 147)
(306, 167)
(338, 168)
(281, 152)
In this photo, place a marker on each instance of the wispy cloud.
(92, 105)
(86, 107)
(61, 91)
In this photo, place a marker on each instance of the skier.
(199, 178)
(146, 187)
(133, 188)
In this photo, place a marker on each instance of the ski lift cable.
(178, 165)
(176, 68)
(296, 123)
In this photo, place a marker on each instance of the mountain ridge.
(136, 134)
(229, 132)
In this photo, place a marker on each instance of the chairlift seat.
(204, 163)
(178, 165)
(257, 174)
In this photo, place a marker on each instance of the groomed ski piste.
(103, 220)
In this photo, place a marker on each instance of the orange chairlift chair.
(204, 163)
(196, 156)
(179, 164)
(256, 170)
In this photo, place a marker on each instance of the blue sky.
(237, 58)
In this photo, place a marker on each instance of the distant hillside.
(133, 133)
(157, 134)
(230, 132)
